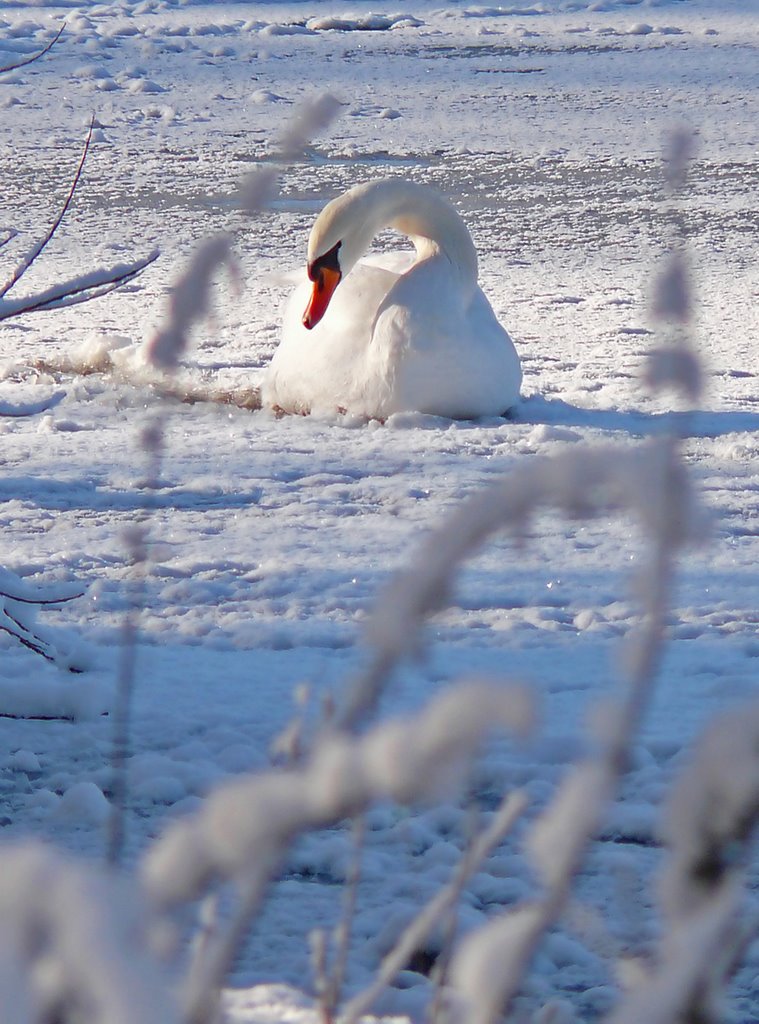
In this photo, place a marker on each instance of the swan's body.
(421, 338)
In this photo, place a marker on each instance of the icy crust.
(520, 38)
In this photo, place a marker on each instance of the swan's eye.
(329, 261)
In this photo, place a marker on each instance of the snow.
(274, 543)
(84, 803)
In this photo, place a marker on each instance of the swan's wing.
(396, 262)
(451, 357)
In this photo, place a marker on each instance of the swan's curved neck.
(416, 211)
(432, 225)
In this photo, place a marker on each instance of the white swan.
(423, 339)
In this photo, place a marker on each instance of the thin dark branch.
(41, 600)
(9, 234)
(35, 56)
(72, 293)
(27, 643)
(29, 259)
(35, 718)
(14, 625)
(27, 638)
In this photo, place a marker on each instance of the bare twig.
(41, 601)
(31, 256)
(8, 235)
(13, 625)
(77, 290)
(35, 56)
(26, 637)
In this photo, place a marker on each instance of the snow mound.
(84, 803)
(367, 23)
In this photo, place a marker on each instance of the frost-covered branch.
(708, 822)
(675, 365)
(490, 965)
(35, 56)
(314, 116)
(190, 301)
(39, 246)
(243, 830)
(439, 907)
(581, 484)
(19, 603)
(651, 483)
(82, 288)
(78, 289)
(74, 945)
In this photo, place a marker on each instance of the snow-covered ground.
(543, 123)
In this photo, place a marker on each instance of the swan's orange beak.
(325, 281)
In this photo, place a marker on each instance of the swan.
(380, 336)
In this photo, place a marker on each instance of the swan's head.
(340, 236)
(326, 274)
